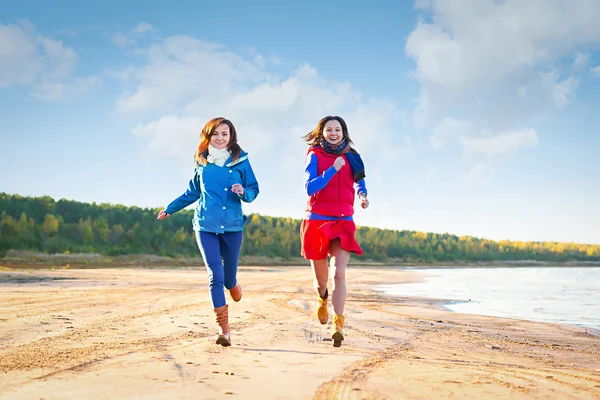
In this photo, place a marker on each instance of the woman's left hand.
(237, 189)
(364, 203)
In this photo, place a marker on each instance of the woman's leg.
(231, 244)
(339, 262)
(210, 248)
(320, 275)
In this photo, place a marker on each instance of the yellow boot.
(322, 314)
(338, 325)
(222, 315)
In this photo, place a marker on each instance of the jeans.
(220, 252)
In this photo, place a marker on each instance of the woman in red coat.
(334, 173)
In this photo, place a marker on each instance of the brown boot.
(222, 314)
(236, 292)
(322, 314)
(338, 325)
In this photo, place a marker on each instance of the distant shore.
(27, 259)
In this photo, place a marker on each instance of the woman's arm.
(315, 182)
(361, 188)
(188, 197)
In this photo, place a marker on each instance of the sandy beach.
(140, 333)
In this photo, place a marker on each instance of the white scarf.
(217, 156)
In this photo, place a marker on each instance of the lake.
(564, 295)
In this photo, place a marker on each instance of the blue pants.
(221, 252)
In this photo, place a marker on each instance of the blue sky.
(474, 117)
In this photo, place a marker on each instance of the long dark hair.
(314, 137)
(209, 129)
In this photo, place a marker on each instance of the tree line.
(65, 226)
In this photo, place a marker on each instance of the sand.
(149, 334)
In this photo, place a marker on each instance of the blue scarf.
(354, 159)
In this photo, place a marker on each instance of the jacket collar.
(243, 157)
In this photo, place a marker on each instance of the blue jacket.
(219, 210)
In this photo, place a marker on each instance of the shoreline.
(59, 262)
(69, 333)
(23, 258)
(444, 303)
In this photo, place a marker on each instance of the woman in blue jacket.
(223, 178)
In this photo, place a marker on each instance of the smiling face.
(332, 132)
(220, 137)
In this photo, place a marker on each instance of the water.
(567, 295)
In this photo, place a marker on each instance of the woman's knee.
(216, 281)
(320, 281)
(215, 275)
(229, 282)
(339, 274)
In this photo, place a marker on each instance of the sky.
(473, 117)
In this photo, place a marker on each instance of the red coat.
(337, 198)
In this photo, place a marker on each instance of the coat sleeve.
(188, 197)
(249, 183)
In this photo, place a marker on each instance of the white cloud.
(482, 152)
(581, 61)
(564, 91)
(481, 147)
(595, 71)
(186, 81)
(121, 40)
(130, 38)
(44, 64)
(470, 50)
(21, 59)
(126, 74)
(449, 129)
(491, 146)
(190, 77)
(492, 66)
(473, 42)
(53, 91)
(144, 27)
(184, 72)
(171, 136)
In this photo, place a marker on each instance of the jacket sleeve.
(191, 195)
(250, 184)
(313, 181)
(361, 187)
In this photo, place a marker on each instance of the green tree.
(42, 224)
(50, 225)
(100, 227)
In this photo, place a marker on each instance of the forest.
(42, 224)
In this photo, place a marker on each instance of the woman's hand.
(162, 215)
(339, 163)
(237, 189)
(364, 203)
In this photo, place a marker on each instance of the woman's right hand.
(162, 215)
(339, 163)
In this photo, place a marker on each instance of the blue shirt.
(219, 210)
